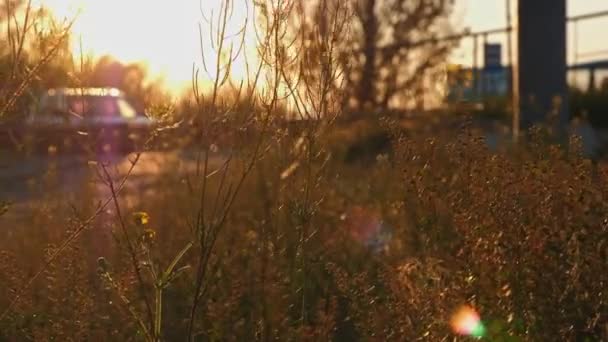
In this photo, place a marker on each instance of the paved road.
(28, 180)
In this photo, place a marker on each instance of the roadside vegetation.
(345, 225)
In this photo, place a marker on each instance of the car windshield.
(99, 106)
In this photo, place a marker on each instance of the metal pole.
(475, 67)
(514, 79)
(509, 47)
(483, 73)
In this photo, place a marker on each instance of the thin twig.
(131, 248)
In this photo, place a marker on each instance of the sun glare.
(163, 35)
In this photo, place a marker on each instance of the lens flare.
(466, 321)
(367, 227)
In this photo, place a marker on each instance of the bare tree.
(388, 48)
(320, 79)
(32, 41)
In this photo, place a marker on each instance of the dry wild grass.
(522, 236)
(281, 240)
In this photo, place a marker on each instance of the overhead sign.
(492, 56)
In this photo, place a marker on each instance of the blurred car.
(96, 119)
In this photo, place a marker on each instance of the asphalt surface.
(28, 180)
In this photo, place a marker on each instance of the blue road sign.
(492, 56)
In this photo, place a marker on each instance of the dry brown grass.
(522, 236)
(275, 238)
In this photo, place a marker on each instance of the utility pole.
(476, 73)
(512, 85)
(484, 77)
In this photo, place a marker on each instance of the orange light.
(466, 321)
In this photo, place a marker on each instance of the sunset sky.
(165, 33)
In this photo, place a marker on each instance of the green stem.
(158, 312)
